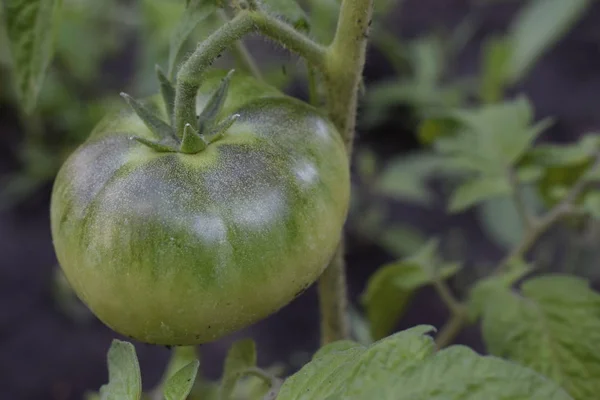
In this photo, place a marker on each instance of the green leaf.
(180, 384)
(405, 178)
(219, 130)
(478, 190)
(496, 53)
(180, 357)
(323, 19)
(83, 22)
(401, 240)
(31, 29)
(490, 290)
(336, 347)
(195, 12)
(124, 378)
(214, 105)
(332, 370)
(483, 293)
(167, 91)
(192, 142)
(496, 136)
(289, 10)
(591, 204)
(241, 357)
(562, 165)
(427, 59)
(157, 126)
(500, 219)
(417, 93)
(539, 25)
(458, 373)
(390, 289)
(405, 367)
(158, 146)
(552, 326)
(564, 155)
(366, 164)
(431, 129)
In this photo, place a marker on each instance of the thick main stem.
(333, 299)
(344, 63)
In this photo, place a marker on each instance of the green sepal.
(160, 147)
(219, 130)
(160, 128)
(168, 94)
(214, 105)
(192, 142)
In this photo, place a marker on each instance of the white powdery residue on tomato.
(260, 211)
(211, 230)
(322, 129)
(306, 172)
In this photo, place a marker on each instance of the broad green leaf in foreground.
(405, 366)
(552, 326)
(31, 27)
(391, 288)
(124, 378)
(336, 366)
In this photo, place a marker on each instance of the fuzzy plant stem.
(191, 74)
(344, 63)
(241, 53)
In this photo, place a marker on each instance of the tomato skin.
(179, 249)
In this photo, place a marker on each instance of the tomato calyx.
(194, 139)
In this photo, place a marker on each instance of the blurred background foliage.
(466, 134)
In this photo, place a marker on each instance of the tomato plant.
(194, 213)
(176, 246)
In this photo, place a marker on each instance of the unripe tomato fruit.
(178, 249)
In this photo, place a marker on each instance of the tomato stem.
(333, 300)
(345, 60)
(191, 73)
(241, 53)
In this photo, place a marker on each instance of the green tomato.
(179, 249)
